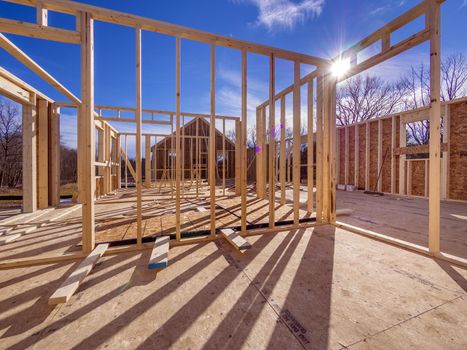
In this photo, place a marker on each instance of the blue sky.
(316, 27)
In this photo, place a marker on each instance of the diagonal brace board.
(71, 284)
(130, 167)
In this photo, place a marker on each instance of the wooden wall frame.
(325, 123)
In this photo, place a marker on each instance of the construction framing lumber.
(212, 143)
(272, 143)
(296, 144)
(244, 172)
(86, 145)
(235, 239)
(39, 31)
(282, 155)
(16, 52)
(41, 132)
(433, 24)
(310, 148)
(138, 117)
(177, 139)
(105, 15)
(160, 254)
(72, 283)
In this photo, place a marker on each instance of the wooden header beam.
(111, 16)
(39, 31)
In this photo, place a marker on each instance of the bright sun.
(340, 67)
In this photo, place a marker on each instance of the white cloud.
(285, 14)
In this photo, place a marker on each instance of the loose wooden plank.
(235, 239)
(71, 284)
(160, 253)
(201, 209)
(9, 238)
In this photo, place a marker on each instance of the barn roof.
(202, 120)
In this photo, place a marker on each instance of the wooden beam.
(38, 31)
(15, 92)
(29, 148)
(332, 150)
(16, 52)
(42, 15)
(139, 118)
(259, 154)
(131, 120)
(235, 239)
(282, 156)
(346, 155)
(54, 155)
(86, 132)
(42, 134)
(147, 161)
(23, 86)
(395, 50)
(380, 155)
(111, 16)
(223, 157)
(310, 149)
(160, 253)
(433, 25)
(238, 158)
(272, 142)
(177, 139)
(445, 160)
(296, 144)
(418, 149)
(402, 157)
(357, 155)
(393, 157)
(319, 148)
(244, 171)
(212, 142)
(119, 162)
(367, 155)
(126, 162)
(72, 283)
(107, 157)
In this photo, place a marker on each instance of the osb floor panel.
(406, 218)
(310, 289)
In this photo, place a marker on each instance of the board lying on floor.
(160, 254)
(234, 238)
(71, 284)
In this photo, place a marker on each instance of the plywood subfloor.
(321, 288)
(118, 220)
(406, 218)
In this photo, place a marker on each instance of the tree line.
(11, 149)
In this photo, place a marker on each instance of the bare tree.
(416, 85)
(454, 77)
(10, 144)
(251, 137)
(363, 97)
